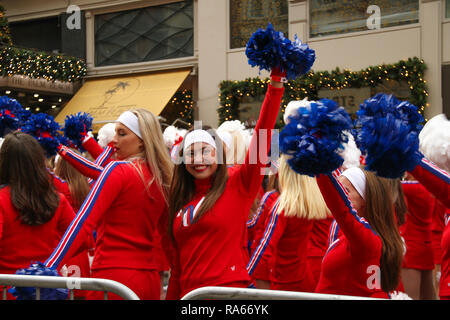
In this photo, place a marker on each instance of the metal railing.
(71, 283)
(228, 293)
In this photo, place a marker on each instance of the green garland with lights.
(183, 99)
(410, 70)
(17, 61)
(5, 35)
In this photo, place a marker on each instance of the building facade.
(207, 38)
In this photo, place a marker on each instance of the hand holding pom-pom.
(389, 135)
(314, 136)
(27, 293)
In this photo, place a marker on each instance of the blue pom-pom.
(45, 130)
(389, 135)
(313, 137)
(10, 115)
(268, 49)
(76, 124)
(28, 293)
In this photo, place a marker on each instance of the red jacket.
(124, 215)
(21, 244)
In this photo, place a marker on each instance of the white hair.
(434, 141)
(106, 134)
(351, 154)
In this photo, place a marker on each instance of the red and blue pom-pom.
(10, 115)
(45, 130)
(28, 293)
(268, 49)
(389, 135)
(76, 127)
(314, 136)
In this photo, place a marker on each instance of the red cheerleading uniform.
(317, 246)
(209, 251)
(22, 244)
(434, 179)
(351, 264)
(444, 284)
(257, 225)
(417, 227)
(437, 228)
(125, 216)
(288, 238)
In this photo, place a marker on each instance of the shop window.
(29, 34)
(328, 17)
(249, 15)
(146, 34)
(447, 8)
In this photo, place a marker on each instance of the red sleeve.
(251, 173)
(357, 230)
(273, 230)
(103, 193)
(62, 187)
(91, 146)
(83, 165)
(1, 222)
(434, 179)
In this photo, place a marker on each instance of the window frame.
(355, 33)
(144, 66)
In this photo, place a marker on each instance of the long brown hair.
(182, 187)
(381, 217)
(23, 169)
(78, 183)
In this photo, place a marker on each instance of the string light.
(410, 70)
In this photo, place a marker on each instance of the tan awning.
(105, 99)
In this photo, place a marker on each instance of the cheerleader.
(124, 207)
(287, 230)
(418, 262)
(33, 215)
(366, 259)
(209, 206)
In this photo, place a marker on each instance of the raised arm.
(356, 229)
(83, 165)
(251, 173)
(99, 199)
(434, 179)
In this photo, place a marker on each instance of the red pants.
(144, 283)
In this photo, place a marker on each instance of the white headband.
(129, 120)
(198, 135)
(358, 179)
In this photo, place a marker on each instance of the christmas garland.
(18, 61)
(411, 71)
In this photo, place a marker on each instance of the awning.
(105, 99)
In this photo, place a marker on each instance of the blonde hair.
(155, 151)
(78, 184)
(300, 195)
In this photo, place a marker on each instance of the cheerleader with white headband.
(208, 208)
(124, 206)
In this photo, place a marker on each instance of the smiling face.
(200, 160)
(126, 142)
(355, 198)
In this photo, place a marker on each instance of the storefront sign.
(349, 98)
(39, 85)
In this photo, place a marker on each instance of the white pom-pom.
(240, 140)
(434, 141)
(351, 154)
(398, 295)
(106, 134)
(291, 108)
(172, 134)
